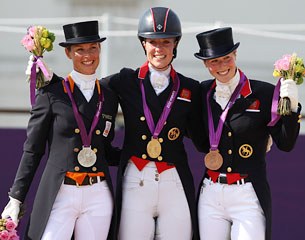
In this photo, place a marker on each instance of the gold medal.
(86, 157)
(213, 160)
(154, 148)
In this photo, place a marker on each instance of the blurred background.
(266, 30)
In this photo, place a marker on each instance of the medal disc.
(213, 160)
(154, 148)
(86, 157)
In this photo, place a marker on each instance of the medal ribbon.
(214, 136)
(155, 131)
(36, 62)
(274, 114)
(86, 138)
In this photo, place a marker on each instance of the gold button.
(142, 118)
(144, 156)
(94, 150)
(76, 168)
(76, 149)
(94, 169)
(76, 130)
(229, 134)
(299, 120)
(229, 169)
(144, 137)
(229, 151)
(161, 140)
(98, 132)
(160, 158)
(300, 116)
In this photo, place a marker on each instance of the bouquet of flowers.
(38, 40)
(288, 67)
(8, 230)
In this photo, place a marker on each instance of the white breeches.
(86, 210)
(154, 205)
(230, 212)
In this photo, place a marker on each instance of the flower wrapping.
(288, 67)
(8, 230)
(37, 41)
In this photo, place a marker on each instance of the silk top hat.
(215, 43)
(81, 32)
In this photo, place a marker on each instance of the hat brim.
(78, 41)
(216, 55)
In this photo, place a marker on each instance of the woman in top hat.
(75, 118)
(155, 191)
(234, 200)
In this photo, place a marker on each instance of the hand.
(12, 210)
(49, 73)
(289, 89)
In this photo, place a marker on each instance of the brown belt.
(87, 181)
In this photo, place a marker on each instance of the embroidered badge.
(245, 151)
(107, 128)
(185, 95)
(255, 105)
(173, 134)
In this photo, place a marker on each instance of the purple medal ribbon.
(33, 76)
(86, 139)
(155, 131)
(274, 114)
(215, 136)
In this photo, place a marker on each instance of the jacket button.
(97, 132)
(76, 130)
(229, 151)
(76, 150)
(142, 118)
(144, 137)
(229, 169)
(94, 169)
(144, 156)
(229, 134)
(76, 169)
(94, 150)
(160, 140)
(160, 158)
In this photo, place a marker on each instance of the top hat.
(81, 32)
(215, 43)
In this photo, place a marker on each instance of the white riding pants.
(86, 210)
(230, 212)
(154, 205)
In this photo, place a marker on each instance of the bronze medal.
(86, 157)
(154, 148)
(213, 160)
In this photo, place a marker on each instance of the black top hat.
(215, 43)
(81, 32)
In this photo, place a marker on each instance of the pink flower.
(4, 235)
(10, 225)
(32, 31)
(28, 43)
(13, 235)
(282, 64)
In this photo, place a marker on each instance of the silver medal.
(86, 157)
